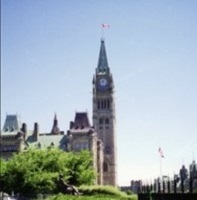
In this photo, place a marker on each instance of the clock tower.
(104, 118)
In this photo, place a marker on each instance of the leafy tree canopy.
(37, 171)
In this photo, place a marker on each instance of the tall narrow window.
(100, 121)
(107, 120)
(108, 104)
(98, 104)
(105, 167)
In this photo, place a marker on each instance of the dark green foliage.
(129, 192)
(37, 171)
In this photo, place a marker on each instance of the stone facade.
(11, 138)
(104, 118)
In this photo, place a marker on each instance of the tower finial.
(55, 116)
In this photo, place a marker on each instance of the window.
(105, 167)
(77, 146)
(39, 145)
(100, 121)
(98, 104)
(107, 120)
(108, 104)
(85, 145)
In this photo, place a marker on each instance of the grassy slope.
(96, 197)
(98, 193)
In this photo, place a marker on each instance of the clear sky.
(49, 52)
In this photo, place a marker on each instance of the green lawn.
(97, 192)
(97, 197)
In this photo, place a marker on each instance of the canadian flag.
(105, 25)
(161, 153)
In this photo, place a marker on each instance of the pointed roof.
(193, 166)
(12, 124)
(81, 120)
(55, 128)
(55, 117)
(102, 67)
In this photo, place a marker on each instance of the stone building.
(11, 139)
(104, 116)
(99, 138)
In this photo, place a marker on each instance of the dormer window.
(77, 126)
(52, 144)
(39, 145)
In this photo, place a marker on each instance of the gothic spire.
(55, 128)
(102, 67)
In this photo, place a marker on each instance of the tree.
(36, 171)
(2, 172)
(77, 165)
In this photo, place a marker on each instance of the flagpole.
(161, 176)
(103, 26)
(160, 162)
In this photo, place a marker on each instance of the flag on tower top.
(105, 25)
(161, 152)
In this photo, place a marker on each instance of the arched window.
(98, 104)
(105, 167)
(107, 120)
(108, 104)
(100, 121)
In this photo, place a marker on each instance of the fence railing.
(167, 196)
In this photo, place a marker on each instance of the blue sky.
(49, 52)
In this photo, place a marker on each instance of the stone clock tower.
(104, 118)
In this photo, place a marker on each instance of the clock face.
(103, 82)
